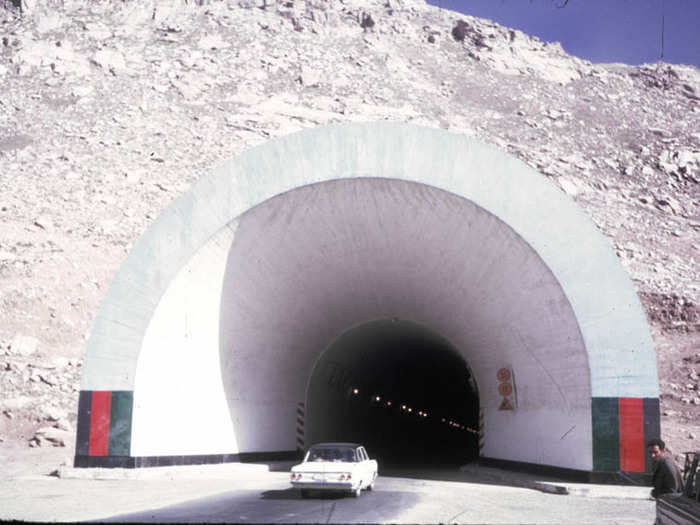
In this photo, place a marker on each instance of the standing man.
(666, 476)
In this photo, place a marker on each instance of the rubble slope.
(112, 109)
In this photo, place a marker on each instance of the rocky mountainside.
(110, 109)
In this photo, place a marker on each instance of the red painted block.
(99, 423)
(631, 434)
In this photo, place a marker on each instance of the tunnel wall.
(153, 359)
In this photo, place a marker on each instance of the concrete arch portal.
(409, 264)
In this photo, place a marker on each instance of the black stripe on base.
(82, 445)
(84, 461)
(652, 425)
(568, 474)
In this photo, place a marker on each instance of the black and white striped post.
(481, 431)
(300, 428)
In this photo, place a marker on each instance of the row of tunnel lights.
(421, 413)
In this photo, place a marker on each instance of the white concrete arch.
(218, 314)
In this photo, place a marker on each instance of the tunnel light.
(410, 410)
(355, 391)
(403, 407)
(377, 398)
(388, 403)
(444, 420)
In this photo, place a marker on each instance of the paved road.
(399, 500)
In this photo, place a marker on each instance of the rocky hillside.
(110, 109)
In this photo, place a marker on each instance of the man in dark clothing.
(666, 475)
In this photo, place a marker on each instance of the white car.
(342, 467)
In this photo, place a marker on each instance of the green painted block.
(120, 423)
(606, 433)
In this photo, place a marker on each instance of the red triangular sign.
(505, 405)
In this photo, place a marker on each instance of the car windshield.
(332, 454)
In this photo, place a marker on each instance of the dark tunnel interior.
(400, 390)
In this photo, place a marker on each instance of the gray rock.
(109, 60)
(212, 41)
(97, 31)
(571, 187)
(60, 362)
(16, 403)
(309, 77)
(24, 345)
(55, 436)
(667, 202)
(47, 379)
(63, 424)
(43, 222)
(54, 414)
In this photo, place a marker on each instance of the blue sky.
(626, 31)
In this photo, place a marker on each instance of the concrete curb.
(592, 491)
(225, 470)
(563, 488)
(549, 488)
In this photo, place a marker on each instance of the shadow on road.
(292, 493)
(277, 505)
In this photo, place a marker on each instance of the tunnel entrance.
(399, 389)
(220, 315)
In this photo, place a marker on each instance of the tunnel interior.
(399, 389)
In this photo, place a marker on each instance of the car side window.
(362, 454)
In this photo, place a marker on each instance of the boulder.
(53, 435)
(24, 345)
(54, 414)
(109, 60)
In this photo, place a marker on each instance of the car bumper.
(325, 485)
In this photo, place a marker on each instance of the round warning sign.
(503, 374)
(505, 389)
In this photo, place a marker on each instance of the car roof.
(335, 444)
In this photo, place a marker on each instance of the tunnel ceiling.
(308, 264)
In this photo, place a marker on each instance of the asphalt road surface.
(398, 500)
